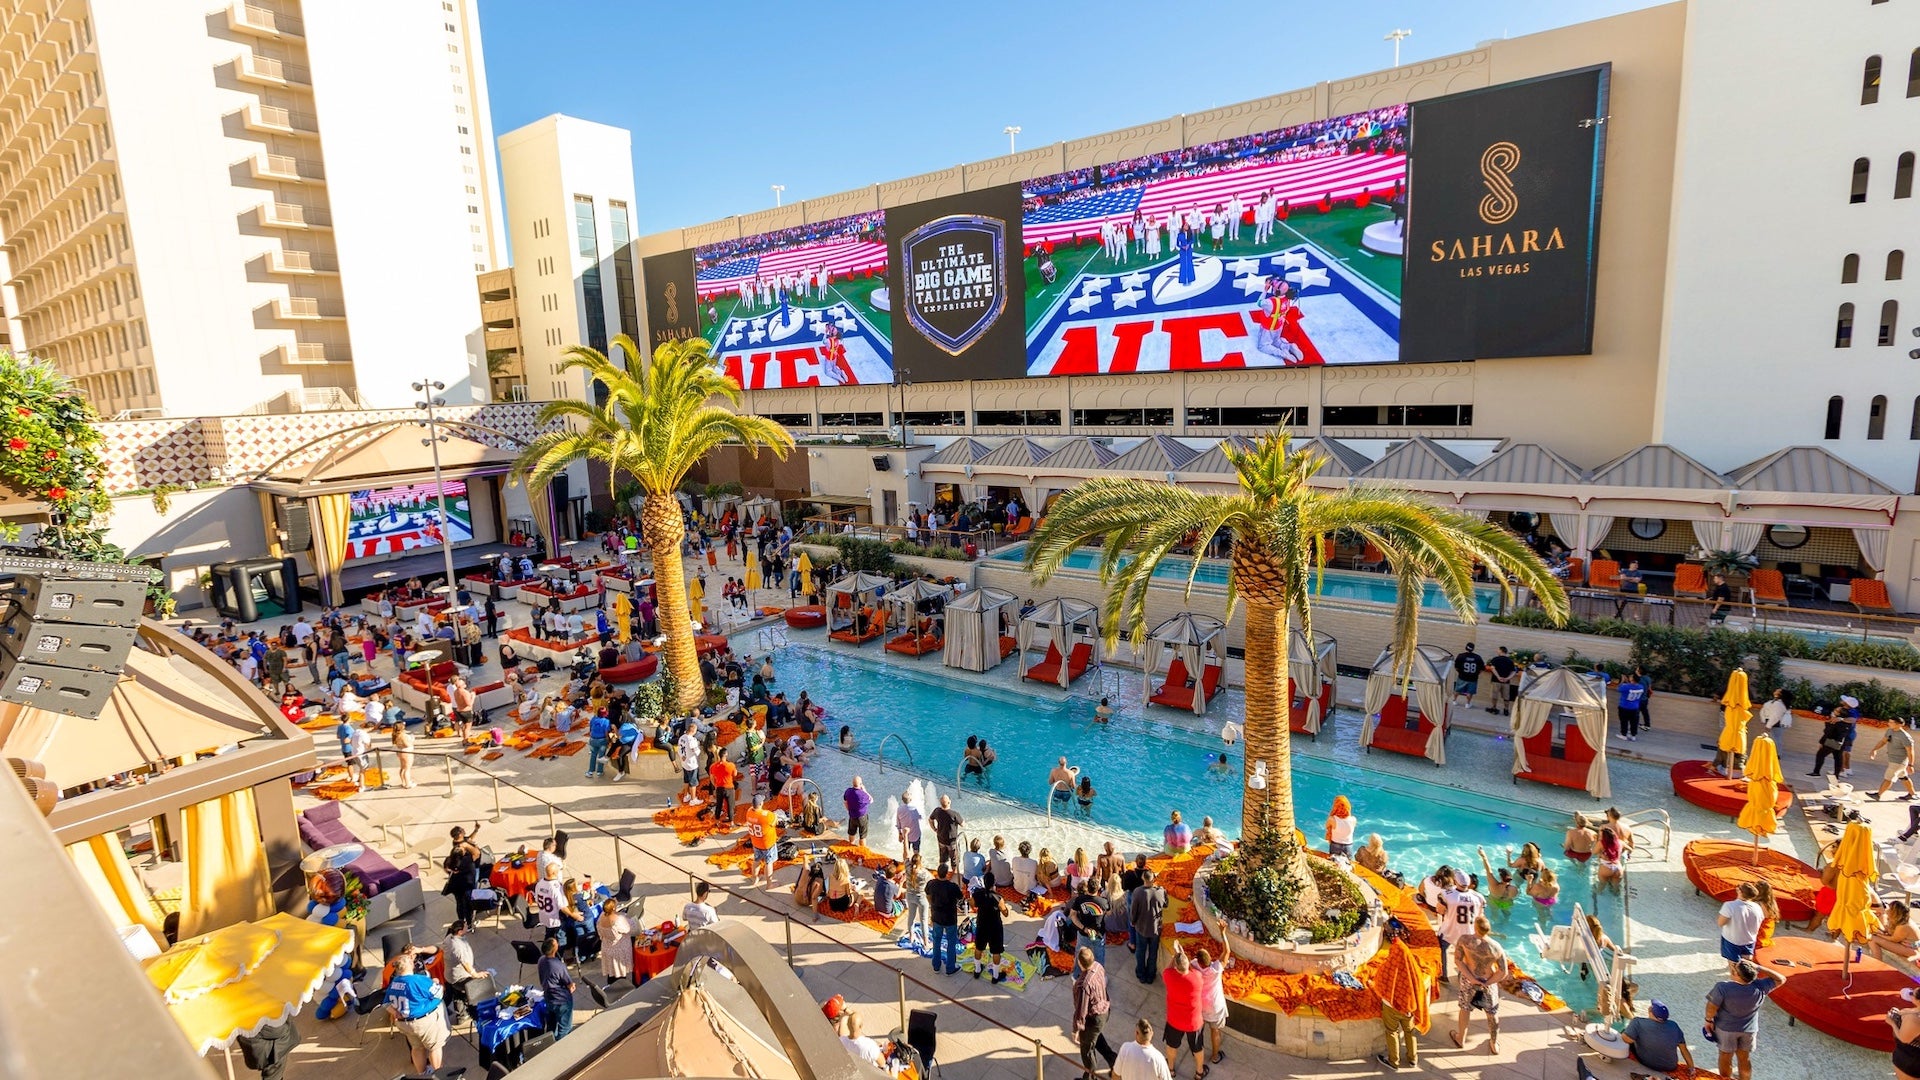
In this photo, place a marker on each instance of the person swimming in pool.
(1501, 888)
(1103, 712)
(1220, 765)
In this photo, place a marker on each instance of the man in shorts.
(1506, 682)
(416, 1004)
(1185, 993)
(687, 752)
(1466, 674)
(1899, 747)
(1483, 966)
(1733, 1015)
(859, 803)
(764, 831)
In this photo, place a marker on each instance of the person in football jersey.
(1459, 907)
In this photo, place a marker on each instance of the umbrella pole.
(228, 1053)
(1756, 849)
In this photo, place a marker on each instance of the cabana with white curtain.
(1390, 721)
(852, 604)
(903, 604)
(1192, 641)
(1577, 705)
(1312, 675)
(974, 640)
(1071, 630)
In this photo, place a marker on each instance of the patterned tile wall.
(230, 449)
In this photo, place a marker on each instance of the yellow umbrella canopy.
(804, 565)
(753, 575)
(239, 979)
(694, 610)
(1764, 760)
(1852, 918)
(1733, 737)
(622, 617)
(696, 588)
(1736, 691)
(1757, 817)
(1856, 857)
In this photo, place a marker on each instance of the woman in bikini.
(1501, 888)
(1612, 860)
(1896, 936)
(1529, 863)
(1545, 891)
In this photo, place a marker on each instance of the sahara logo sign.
(1503, 220)
(1496, 173)
(955, 278)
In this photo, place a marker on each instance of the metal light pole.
(1010, 132)
(1397, 36)
(777, 189)
(427, 387)
(903, 378)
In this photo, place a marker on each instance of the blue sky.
(726, 98)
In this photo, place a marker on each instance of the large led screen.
(393, 521)
(1460, 228)
(805, 306)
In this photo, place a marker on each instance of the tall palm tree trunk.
(664, 530)
(1268, 736)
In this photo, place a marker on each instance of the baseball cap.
(1850, 701)
(1658, 1010)
(1460, 879)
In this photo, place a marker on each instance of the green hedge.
(1690, 661)
(876, 556)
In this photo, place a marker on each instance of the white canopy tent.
(1190, 639)
(973, 629)
(1421, 677)
(1314, 672)
(1541, 695)
(905, 600)
(1062, 621)
(859, 590)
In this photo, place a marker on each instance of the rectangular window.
(587, 243)
(623, 275)
(938, 418)
(1398, 416)
(850, 419)
(792, 419)
(1018, 418)
(1123, 418)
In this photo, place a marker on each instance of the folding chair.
(484, 901)
(923, 1036)
(526, 952)
(393, 943)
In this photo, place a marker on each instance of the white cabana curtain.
(1379, 689)
(1873, 548)
(908, 598)
(1060, 618)
(1534, 710)
(1428, 685)
(1432, 699)
(1595, 535)
(973, 629)
(1310, 666)
(1706, 534)
(1744, 536)
(861, 587)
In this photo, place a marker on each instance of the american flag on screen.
(1301, 183)
(839, 258)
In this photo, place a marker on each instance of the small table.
(515, 881)
(503, 1035)
(648, 962)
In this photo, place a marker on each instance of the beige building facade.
(211, 209)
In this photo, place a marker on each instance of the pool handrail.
(881, 751)
(1053, 787)
(1666, 827)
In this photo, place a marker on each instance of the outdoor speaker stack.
(67, 633)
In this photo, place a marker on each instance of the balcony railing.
(288, 168)
(280, 215)
(306, 352)
(276, 120)
(266, 71)
(253, 19)
(306, 308)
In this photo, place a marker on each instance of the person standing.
(267, 1050)
(1740, 920)
(724, 775)
(1145, 906)
(1138, 1060)
(598, 729)
(1631, 695)
(403, 752)
(944, 898)
(1213, 999)
(1089, 914)
(1184, 992)
(1506, 682)
(1483, 967)
(556, 990)
(1466, 674)
(698, 913)
(1404, 991)
(1835, 738)
(764, 832)
(1460, 907)
(492, 616)
(989, 927)
(275, 665)
(906, 823)
(1733, 1015)
(1776, 713)
(946, 822)
(859, 803)
(1090, 1008)
(1899, 747)
(463, 699)
(687, 752)
(414, 1000)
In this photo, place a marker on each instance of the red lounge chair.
(1048, 669)
(1576, 571)
(1391, 733)
(1020, 528)
(1007, 646)
(1079, 660)
(1297, 708)
(1690, 579)
(1869, 595)
(1174, 693)
(1605, 574)
(1769, 586)
(1543, 767)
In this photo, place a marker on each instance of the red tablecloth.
(515, 881)
(651, 962)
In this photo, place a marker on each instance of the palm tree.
(1279, 523)
(654, 427)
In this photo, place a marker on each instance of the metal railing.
(623, 847)
(881, 751)
(1666, 827)
(1053, 787)
(982, 539)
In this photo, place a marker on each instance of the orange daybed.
(876, 626)
(1569, 770)
(916, 644)
(1392, 733)
(1078, 660)
(1696, 782)
(1718, 867)
(1175, 693)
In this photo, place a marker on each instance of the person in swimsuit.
(1545, 891)
(1906, 1042)
(1084, 795)
(1529, 864)
(1580, 840)
(1612, 859)
(1501, 888)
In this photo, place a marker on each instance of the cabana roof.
(1155, 454)
(858, 583)
(1564, 686)
(915, 591)
(1429, 663)
(1021, 452)
(1187, 628)
(1215, 459)
(1527, 463)
(1299, 653)
(1342, 460)
(965, 451)
(981, 599)
(1804, 470)
(1081, 453)
(1657, 466)
(1062, 611)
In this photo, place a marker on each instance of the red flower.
(56, 493)
(16, 444)
(52, 454)
(23, 410)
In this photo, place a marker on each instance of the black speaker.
(881, 463)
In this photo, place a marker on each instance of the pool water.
(1826, 637)
(1143, 767)
(1338, 584)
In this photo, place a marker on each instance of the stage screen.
(804, 306)
(1459, 228)
(394, 521)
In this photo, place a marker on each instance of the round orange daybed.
(1717, 867)
(810, 617)
(1821, 999)
(632, 673)
(1696, 782)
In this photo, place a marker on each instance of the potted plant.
(1729, 564)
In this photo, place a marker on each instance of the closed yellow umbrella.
(696, 588)
(1852, 920)
(753, 574)
(1764, 760)
(804, 564)
(222, 985)
(1737, 710)
(622, 617)
(1856, 856)
(694, 610)
(1757, 817)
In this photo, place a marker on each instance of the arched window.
(1902, 177)
(1850, 269)
(1877, 418)
(1870, 82)
(1859, 192)
(1835, 406)
(1889, 314)
(1843, 328)
(1896, 264)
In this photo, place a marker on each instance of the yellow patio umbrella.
(694, 610)
(753, 575)
(1763, 790)
(1738, 710)
(696, 588)
(239, 979)
(1852, 920)
(804, 564)
(622, 617)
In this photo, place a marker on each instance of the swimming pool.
(1338, 584)
(1144, 766)
(1826, 637)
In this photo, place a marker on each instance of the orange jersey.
(761, 829)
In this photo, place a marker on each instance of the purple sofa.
(391, 891)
